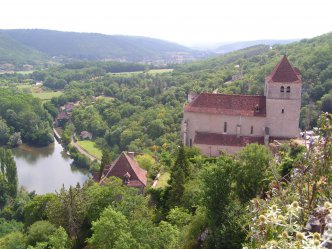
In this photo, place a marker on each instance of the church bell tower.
(283, 100)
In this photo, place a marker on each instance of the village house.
(225, 122)
(64, 115)
(126, 168)
(85, 135)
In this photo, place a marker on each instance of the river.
(46, 169)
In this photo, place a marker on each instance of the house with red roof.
(126, 168)
(215, 122)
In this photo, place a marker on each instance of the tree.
(40, 232)
(222, 209)
(4, 132)
(15, 139)
(156, 128)
(59, 239)
(179, 217)
(110, 229)
(100, 197)
(36, 209)
(253, 171)
(327, 103)
(7, 227)
(68, 210)
(67, 134)
(180, 172)
(14, 240)
(8, 174)
(106, 159)
(146, 161)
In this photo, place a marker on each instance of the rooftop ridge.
(232, 94)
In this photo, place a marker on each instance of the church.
(226, 122)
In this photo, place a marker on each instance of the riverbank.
(46, 169)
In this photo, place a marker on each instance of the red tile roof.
(225, 139)
(123, 165)
(228, 104)
(284, 72)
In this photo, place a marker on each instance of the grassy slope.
(39, 92)
(91, 148)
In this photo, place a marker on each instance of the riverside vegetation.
(206, 201)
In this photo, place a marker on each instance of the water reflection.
(33, 154)
(46, 169)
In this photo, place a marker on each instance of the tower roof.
(284, 72)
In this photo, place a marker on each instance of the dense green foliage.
(16, 53)
(22, 115)
(94, 46)
(8, 176)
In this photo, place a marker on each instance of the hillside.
(142, 112)
(93, 46)
(229, 47)
(14, 52)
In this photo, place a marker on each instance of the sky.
(188, 22)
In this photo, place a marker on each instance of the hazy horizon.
(190, 23)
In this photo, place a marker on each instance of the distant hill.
(14, 52)
(226, 48)
(92, 46)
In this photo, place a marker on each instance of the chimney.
(131, 154)
(191, 96)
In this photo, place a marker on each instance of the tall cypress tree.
(179, 175)
(8, 175)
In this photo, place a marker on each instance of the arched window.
(282, 89)
(288, 89)
(282, 111)
(225, 127)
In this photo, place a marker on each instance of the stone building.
(215, 122)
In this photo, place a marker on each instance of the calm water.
(46, 169)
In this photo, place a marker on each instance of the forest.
(258, 198)
(23, 118)
(254, 199)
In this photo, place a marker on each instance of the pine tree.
(179, 175)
